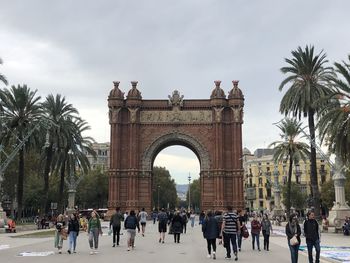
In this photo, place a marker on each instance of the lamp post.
(189, 192)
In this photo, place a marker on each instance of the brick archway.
(140, 129)
(175, 138)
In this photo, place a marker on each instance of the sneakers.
(208, 256)
(160, 240)
(113, 245)
(228, 258)
(214, 255)
(91, 252)
(69, 251)
(59, 251)
(128, 248)
(236, 257)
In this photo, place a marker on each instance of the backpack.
(244, 232)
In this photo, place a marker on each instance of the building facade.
(102, 156)
(259, 169)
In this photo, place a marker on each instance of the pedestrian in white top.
(143, 219)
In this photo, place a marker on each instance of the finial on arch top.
(116, 83)
(217, 83)
(176, 99)
(134, 84)
(235, 83)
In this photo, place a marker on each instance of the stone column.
(340, 208)
(277, 210)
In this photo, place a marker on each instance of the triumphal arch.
(140, 129)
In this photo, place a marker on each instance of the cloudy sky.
(77, 48)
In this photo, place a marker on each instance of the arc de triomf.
(140, 129)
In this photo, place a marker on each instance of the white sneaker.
(208, 256)
(91, 252)
(95, 251)
(128, 248)
(214, 255)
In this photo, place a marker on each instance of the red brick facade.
(140, 129)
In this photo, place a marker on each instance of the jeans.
(177, 237)
(293, 252)
(239, 237)
(266, 240)
(211, 243)
(257, 238)
(93, 238)
(310, 245)
(192, 222)
(116, 232)
(72, 240)
(228, 240)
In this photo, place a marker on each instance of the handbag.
(64, 234)
(294, 241)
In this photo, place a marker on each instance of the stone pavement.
(192, 248)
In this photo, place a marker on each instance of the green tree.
(289, 150)
(73, 150)
(2, 77)
(57, 110)
(164, 188)
(297, 197)
(335, 122)
(21, 112)
(90, 196)
(195, 190)
(309, 80)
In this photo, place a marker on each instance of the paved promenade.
(192, 248)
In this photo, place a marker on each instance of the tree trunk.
(20, 182)
(61, 187)
(47, 170)
(289, 184)
(313, 174)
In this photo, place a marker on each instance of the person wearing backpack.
(130, 224)
(162, 224)
(115, 224)
(312, 235)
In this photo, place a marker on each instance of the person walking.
(162, 224)
(73, 232)
(60, 233)
(177, 226)
(312, 235)
(242, 222)
(130, 224)
(154, 216)
(255, 231)
(143, 220)
(184, 220)
(210, 229)
(229, 231)
(94, 229)
(115, 224)
(293, 232)
(266, 227)
(192, 218)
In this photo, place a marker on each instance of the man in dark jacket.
(311, 232)
(115, 223)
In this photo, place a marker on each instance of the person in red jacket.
(256, 228)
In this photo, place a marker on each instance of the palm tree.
(290, 149)
(21, 112)
(57, 110)
(334, 124)
(2, 77)
(73, 150)
(309, 80)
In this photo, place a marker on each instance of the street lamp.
(189, 191)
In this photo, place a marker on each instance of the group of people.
(229, 228)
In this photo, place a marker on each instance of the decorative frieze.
(203, 116)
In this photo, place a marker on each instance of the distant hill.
(182, 188)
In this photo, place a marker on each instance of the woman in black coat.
(177, 226)
(210, 229)
(293, 229)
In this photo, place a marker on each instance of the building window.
(268, 193)
(260, 181)
(261, 196)
(261, 204)
(250, 181)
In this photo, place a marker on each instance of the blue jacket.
(210, 228)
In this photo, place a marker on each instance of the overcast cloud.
(77, 48)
